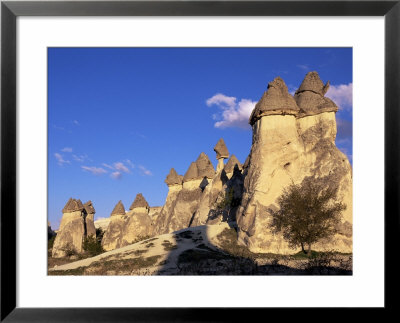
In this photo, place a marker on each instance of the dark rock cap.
(89, 208)
(72, 205)
(191, 173)
(173, 178)
(221, 150)
(199, 169)
(313, 83)
(310, 96)
(119, 209)
(230, 165)
(204, 166)
(139, 201)
(275, 101)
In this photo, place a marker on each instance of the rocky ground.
(202, 250)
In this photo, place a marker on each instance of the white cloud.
(233, 113)
(60, 159)
(67, 150)
(221, 100)
(108, 166)
(121, 167)
(132, 165)
(116, 175)
(80, 158)
(145, 171)
(76, 122)
(342, 95)
(94, 170)
(304, 67)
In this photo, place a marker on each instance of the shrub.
(92, 246)
(229, 201)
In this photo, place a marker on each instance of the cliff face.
(290, 144)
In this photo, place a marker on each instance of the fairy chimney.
(72, 230)
(222, 153)
(89, 218)
(140, 204)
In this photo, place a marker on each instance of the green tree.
(92, 246)
(307, 213)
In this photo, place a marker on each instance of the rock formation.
(293, 141)
(126, 227)
(112, 237)
(211, 191)
(293, 138)
(222, 153)
(74, 227)
(174, 182)
(138, 223)
(89, 212)
(230, 166)
(182, 203)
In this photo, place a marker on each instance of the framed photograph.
(107, 105)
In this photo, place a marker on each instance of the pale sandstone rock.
(138, 225)
(89, 218)
(183, 203)
(113, 236)
(285, 150)
(160, 225)
(72, 229)
(102, 223)
(137, 222)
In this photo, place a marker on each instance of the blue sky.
(120, 118)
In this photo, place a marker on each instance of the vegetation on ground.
(111, 267)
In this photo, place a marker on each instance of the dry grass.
(111, 267)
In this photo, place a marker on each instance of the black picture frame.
(10, 10)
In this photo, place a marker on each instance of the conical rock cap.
(230, 165)
(89, 207)
(73, 205)
(119, 209)
(139, 201)
(204, 166)
(173, 178)
(310, 96)
(221, 150)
